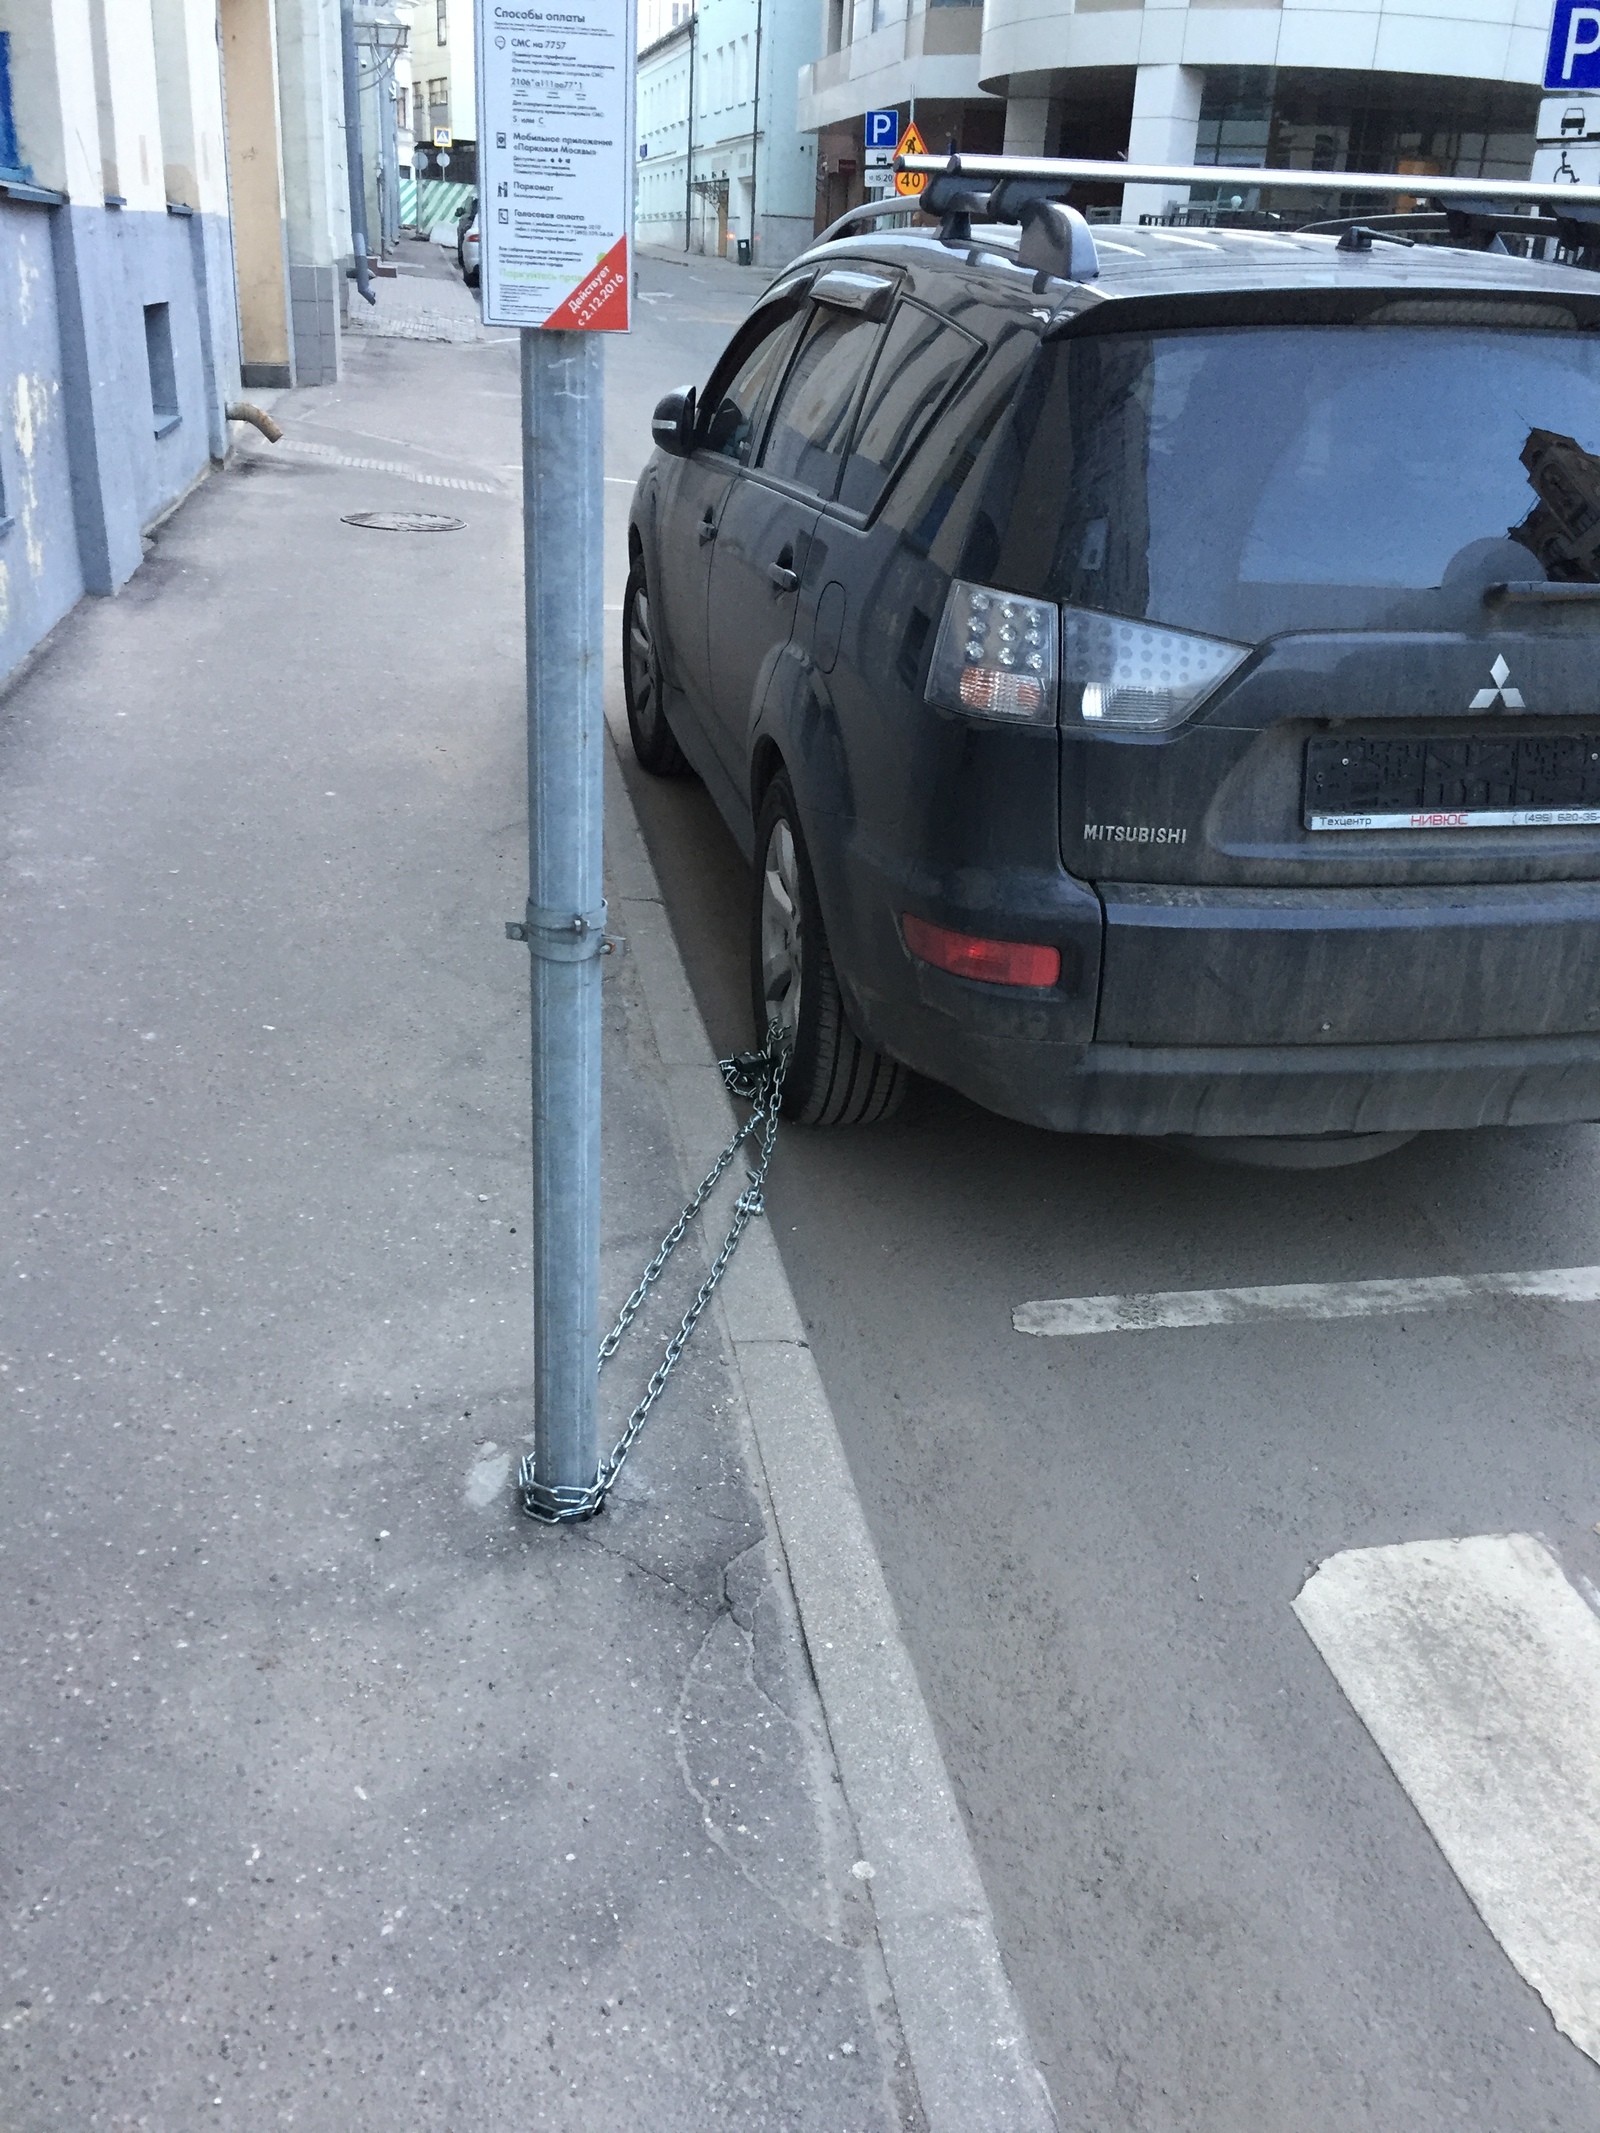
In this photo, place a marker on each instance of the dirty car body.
(1225, 628)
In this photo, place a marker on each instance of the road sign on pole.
(555, 191)
(1572, 60)
(880, 131)
(911, 182)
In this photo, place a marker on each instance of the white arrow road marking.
(1297, 1299)
(1476, 1669)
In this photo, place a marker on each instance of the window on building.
(438, 104)
(441, 32)
(811, 423)
(10, 156)
(419, 112)
(163, 374)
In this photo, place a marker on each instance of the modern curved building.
(1431, 87)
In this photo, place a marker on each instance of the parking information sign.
(881, 130)
(1573, 60)
(555, 176)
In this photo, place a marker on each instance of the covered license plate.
(1501, 781)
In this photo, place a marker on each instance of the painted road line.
(1475, 1667)
(1297, 1299)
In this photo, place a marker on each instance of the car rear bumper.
(1282, 1089)
(1044, 1057)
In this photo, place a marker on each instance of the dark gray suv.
(1159, 693)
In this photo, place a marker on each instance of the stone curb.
(963, 2029)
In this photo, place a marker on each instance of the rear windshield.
(1246, 481)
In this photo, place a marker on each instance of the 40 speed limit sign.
(555, 163)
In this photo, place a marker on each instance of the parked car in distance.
(1159, 693)
(468, 249)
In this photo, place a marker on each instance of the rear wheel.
(653, 740)
(834, 1079)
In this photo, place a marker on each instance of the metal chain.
(757, 1077)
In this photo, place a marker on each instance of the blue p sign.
(883, 129)
(1573, 60)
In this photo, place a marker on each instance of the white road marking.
(1297, 1299)
(302, 448)
(1476, 1669)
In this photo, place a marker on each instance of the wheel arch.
(765, 763)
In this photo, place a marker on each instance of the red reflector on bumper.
(969, 956)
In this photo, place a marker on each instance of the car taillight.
(995, 656)
(968, 955)
(1131, 674)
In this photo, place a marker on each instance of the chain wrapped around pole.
(756, 1077)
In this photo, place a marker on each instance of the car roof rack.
(1056, 241)
(1063, 172)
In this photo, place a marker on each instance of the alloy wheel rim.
(781, 937)
(641, 654)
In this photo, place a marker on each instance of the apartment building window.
(441, 33)
(419, 111)
(438, 104)
(10, 157)
(163, 374)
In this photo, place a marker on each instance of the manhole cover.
(405, 521)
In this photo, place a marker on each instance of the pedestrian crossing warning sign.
(911, 143)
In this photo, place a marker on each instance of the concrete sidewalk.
(334, 1793)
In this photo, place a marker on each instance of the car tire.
(834, 1079)
(473, 278)
(654, 742)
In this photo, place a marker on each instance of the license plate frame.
(1366, 782)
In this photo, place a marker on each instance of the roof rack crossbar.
(979, 170)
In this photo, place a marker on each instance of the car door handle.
(708, 529)
(784, 579)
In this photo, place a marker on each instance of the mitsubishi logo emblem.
(1500, 675)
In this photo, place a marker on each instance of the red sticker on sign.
(599, 304)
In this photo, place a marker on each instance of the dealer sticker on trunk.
(1467, 818)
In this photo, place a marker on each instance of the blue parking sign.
(1573, 60)
(883, 128)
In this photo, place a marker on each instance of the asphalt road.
(1219, 1908)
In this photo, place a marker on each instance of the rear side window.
(742, 383)
(921, 358)
(811, 423)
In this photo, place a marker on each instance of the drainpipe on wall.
(688, 173)
(352, 147)
(755, 134)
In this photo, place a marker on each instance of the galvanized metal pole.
(563, 388)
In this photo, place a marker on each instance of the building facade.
(174, 222)
(443, 67)
(664, 207)
(749, 174)
(1449, 88)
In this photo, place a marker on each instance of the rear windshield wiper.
(1541, 591)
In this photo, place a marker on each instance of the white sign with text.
(555, 168)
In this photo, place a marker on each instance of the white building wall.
(770, 175)
(662, 208)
